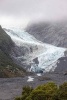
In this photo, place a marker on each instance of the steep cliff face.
(51, 33)
(7, 66)
(5, 42)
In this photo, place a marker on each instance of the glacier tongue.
(50, 57)
(20, 36)
(47, 54)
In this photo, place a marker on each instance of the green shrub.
(48, 91)
(18, 98)
(37, 95)
(27, 89)
(26, 92)
(62, 94)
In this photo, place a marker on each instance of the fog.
(21, 12)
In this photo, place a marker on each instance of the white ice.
(39, 74)
(30, 79)
(20, 36)
(47, 54)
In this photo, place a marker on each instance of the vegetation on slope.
(48, 91)
(7, 67)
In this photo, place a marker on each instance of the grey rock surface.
(51, 33)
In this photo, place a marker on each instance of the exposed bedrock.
(51, 33)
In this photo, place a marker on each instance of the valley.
(29, 48)
(12, 87)
(38, 63)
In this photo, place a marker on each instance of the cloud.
(31, 10)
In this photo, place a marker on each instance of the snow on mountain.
(47, 55)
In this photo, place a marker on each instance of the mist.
(22, 12)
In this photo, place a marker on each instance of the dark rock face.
(19, 51)
(36, 60)
(8, 68)
(51, 33)
(5, 41)
(61, 65)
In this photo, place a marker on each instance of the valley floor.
(12, 87)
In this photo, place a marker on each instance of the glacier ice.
(20, 36)
(47, 54)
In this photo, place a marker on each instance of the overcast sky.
(21, 12)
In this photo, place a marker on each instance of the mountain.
(62, 65)
(51, 33)
(54, 34)
(8, 68)
(19, 48)
(32, 54)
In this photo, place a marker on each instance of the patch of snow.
(30, 79)
(39, 74)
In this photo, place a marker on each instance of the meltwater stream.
(47, 54)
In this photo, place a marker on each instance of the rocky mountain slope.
(51, 33)
(19, 48)
(32, 54)
(8, 68)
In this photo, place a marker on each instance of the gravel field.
(12, 87)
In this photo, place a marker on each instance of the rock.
(51, 33)
(65, 73)
(36, 60)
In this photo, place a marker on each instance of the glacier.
(47, 55)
